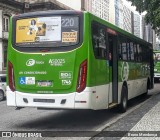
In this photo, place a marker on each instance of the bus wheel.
(1, 95)
(124, 99)
(146, 93)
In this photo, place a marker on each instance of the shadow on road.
(73, 119)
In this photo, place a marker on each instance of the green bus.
(156, 66)
(74, 60)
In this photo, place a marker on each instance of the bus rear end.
(47, 61)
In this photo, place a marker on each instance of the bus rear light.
(82, 76)
(11, 76)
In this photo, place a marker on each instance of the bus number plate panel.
(44, 83)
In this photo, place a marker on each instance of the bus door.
(152, 64)
(113, 72)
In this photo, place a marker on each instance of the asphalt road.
(31, 119)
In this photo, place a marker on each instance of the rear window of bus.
(53, 31)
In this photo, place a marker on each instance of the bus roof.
(119, 30)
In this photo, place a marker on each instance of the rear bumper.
(59, 101)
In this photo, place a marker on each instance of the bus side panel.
(98, 74)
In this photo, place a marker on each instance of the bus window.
(132, 51)
(49, 31)
(128, 51)
(135, 52)
(139, 49)
(145, 54)
(110, 42)
(124, 48)
(124, 51)
(120, 51)
(99, 41)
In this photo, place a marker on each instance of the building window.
(5, 23)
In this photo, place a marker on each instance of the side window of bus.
(146, 54)
(139, 48)
(120, 51)
(132, 51)
(128, 51)
(124, 51)
(123, 46)
(135, 52)
(99, 41)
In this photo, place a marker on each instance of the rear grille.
(44, 100)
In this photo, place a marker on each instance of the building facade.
(137, 27)
(148, 33)
(118, 6)
(121, 13)
(127, 25)
(100, 8)
(87, 5)
(6, 11)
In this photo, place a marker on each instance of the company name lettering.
(35, 72)
(39, 62)
(56, 62)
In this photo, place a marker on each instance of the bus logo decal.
(65, 75)
(30, 80)
(66, 82)
(27, 80)
(22, 80)
(125, 71)
(30, 62)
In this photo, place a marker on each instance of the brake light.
(82, 76)
(11, 76)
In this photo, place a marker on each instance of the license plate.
(44, 83)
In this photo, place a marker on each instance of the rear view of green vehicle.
(74, 60)
(45, 65)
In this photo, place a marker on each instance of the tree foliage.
(152, 7)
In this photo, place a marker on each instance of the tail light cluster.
(82, 76)
(11, 76)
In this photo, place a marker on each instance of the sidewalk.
(148, 128)
(141, 124)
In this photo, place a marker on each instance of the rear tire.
(148, 85)
(1, 95)
(124, 99)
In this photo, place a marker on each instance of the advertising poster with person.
(43, 29)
